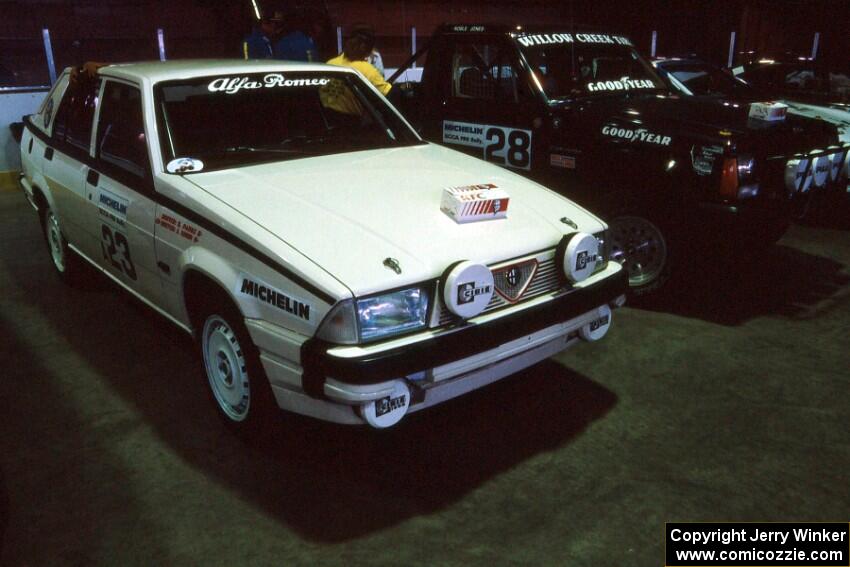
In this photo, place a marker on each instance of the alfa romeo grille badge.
(512, 281)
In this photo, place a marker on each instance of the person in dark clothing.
(259, 44)
(295, 44)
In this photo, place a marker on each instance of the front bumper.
(322, 361)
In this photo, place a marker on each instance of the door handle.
(48, 153)
(92, 177)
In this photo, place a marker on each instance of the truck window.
(587, 65)
(482, 71)
(839, 83)
(803, 79)
(73, 122)
(121, 131)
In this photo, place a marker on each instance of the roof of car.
(156, 71)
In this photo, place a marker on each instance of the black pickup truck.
(585, 114)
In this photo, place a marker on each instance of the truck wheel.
(231, 363)
(68, 266)
(639, 245)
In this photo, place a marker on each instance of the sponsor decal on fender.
(621, 84)
(181, 228)
(112, 207)
(560, 160)
(232, 85)
(639, 135)
(703, 158)
(502, 145)
(275, 298)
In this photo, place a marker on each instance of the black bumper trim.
(398, 362)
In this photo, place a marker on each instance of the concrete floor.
(726, 399)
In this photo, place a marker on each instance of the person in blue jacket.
(259, 44)
(295, 45)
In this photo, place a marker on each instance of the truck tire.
(639, 244)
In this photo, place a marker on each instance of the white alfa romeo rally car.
(325, 258)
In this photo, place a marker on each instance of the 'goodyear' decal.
(621, 84)
(637, 135)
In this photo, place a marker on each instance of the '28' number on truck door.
(506, 146)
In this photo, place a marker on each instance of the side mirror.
(17, 129)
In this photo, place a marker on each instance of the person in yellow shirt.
(358, 47)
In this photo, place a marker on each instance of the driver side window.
(121, 141)
(483, 71)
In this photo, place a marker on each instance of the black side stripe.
(196, 218)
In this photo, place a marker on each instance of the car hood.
(350, 212)
(687, 120)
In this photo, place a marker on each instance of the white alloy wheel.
(226, 368)
(55, 241)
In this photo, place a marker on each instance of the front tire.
(639, 245)
(236, 382)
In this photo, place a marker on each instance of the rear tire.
(638, 243)
(236, 382)
(67, 265)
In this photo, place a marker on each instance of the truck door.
(120, 190)
(488, 110)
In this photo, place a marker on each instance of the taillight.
(729, 178)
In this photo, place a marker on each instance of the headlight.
(362, 320)
(392, 313)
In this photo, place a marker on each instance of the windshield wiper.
(262, 149)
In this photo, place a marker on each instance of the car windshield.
(580, 65)
(234, 120)
(703, 79)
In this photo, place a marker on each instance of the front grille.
(545, 280)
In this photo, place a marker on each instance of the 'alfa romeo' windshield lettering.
(232, 85)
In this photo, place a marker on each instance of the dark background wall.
(118, 30)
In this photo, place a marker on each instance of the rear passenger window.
(121, 131)
(73, 123)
